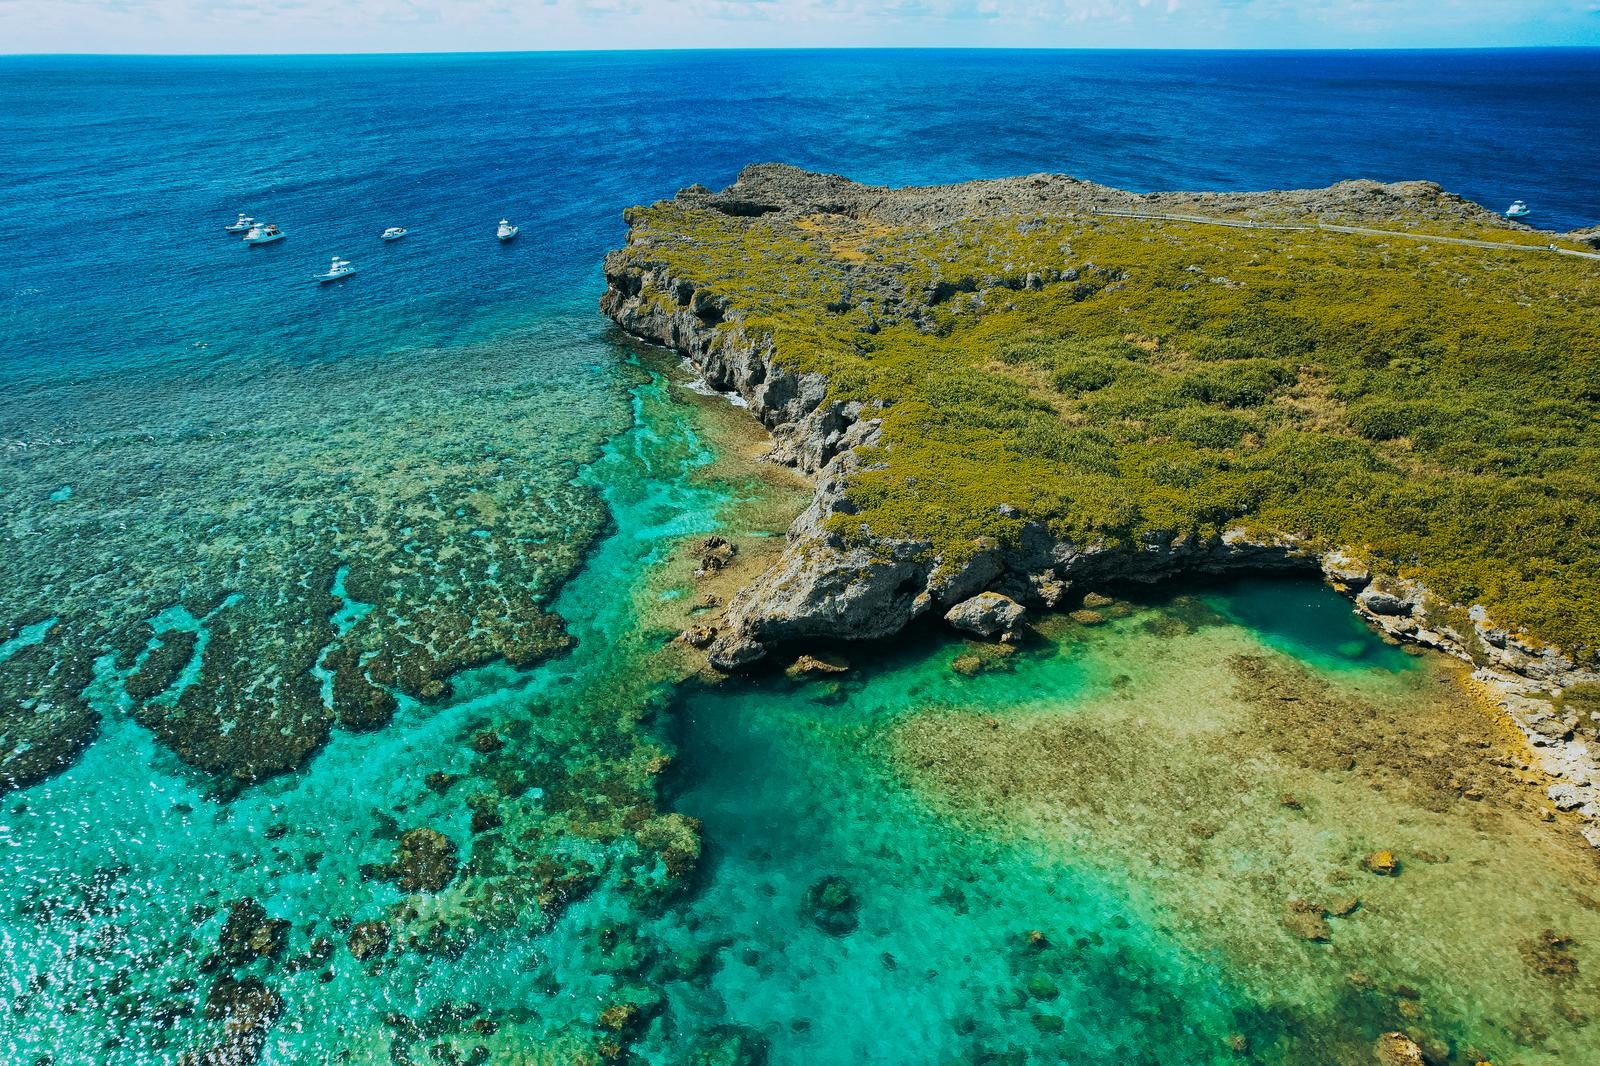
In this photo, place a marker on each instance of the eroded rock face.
(823, 587)
(988, 614)
(1380, 602)
(866, 587)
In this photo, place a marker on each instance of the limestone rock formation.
(988, 614)
(825, 585)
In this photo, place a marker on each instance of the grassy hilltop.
(1430, 406)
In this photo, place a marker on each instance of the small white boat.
(1518, 209)
(262, 233)
(507, 230)
(241, 225)
(339, 268)
(394, 233)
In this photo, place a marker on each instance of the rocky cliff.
(827, 585)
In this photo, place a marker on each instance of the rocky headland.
(842, 579)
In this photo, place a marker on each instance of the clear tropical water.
(230, 495)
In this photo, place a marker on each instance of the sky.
(257, 26)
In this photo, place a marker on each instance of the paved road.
(1431, 238)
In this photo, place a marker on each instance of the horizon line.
(1262, 49)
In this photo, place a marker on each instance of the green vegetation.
(1431, 406)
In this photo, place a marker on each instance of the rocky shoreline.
(825, 587)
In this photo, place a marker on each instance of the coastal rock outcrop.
(988, 614)
(826, 585)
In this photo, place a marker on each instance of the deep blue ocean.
(198, 442)
(119, 173)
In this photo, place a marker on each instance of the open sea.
(226, 491)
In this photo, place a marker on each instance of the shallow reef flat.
(1167, 836)
(466, 879)
(1365, 850)
(247, 555)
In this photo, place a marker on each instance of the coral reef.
(230, 535)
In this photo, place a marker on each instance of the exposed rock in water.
(1308, 921)
(1343, 906)
(439, 781)
(676, 838)
(715, 554)
(248, 1009)
(807, 665)
(968, 665)
(698, 636)
(988, 614)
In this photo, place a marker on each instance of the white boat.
(1518, 209)
(506, 230)
(394, 233)
(339, 268)
(242, 225)
(263, 233)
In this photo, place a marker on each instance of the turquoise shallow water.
(940, 967)
(336, 564)
(1303, 620)
(789, 778)
(1086, 852)
(117, 874)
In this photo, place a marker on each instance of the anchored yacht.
(241, 225)
(262, 233)
(394, 233)
(1518, 209)
(506, 230)
(339, 268)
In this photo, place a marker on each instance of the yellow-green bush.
(1433, 407)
